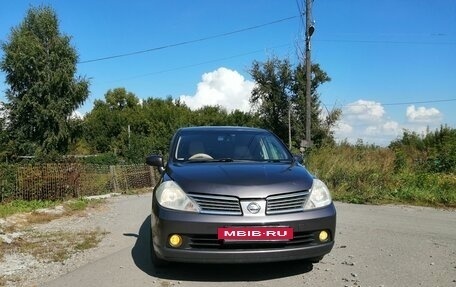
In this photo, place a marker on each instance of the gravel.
(17, 269)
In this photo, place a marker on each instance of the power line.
(196, 64)
(385, 42)
(301, 14)
(188, 42)
(419, 102)
(399, 103)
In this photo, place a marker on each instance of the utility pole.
(129, 132)
(309, 31)
(289, 123)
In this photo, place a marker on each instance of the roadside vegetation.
(414, 169)
(33, 207)
(55, 246)
(21, 237)
(19, 206)
(47, 248)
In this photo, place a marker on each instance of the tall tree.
(120, 125)
(322, 119)
(271, 97)
(42, 93)
(119, 99)
(280, 90)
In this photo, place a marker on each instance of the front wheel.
(314, 259)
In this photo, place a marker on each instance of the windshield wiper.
(227, 159)
(276, 160)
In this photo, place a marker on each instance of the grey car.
(237, 195)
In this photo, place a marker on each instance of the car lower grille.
(286, 203)
(211, 242)
(216, 204)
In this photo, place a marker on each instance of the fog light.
(175, 240)
(323, 236)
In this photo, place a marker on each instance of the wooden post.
(112, 169)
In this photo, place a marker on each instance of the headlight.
(170, 195)
(319, 195)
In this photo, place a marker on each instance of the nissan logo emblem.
(253, 207)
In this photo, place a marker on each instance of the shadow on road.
(210, 272)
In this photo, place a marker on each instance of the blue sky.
(392, 62)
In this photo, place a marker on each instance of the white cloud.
(365, 110)
(343, 128)
(368, 121)
(224, 87)
(391, 127)
(77, 115)
(423, 115)
(388, 128)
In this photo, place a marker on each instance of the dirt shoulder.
(38, 247)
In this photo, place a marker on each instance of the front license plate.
(255, 233)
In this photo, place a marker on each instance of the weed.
(89, 240)
(18, 206)
(54, 246)
(38, 217)
(76, 205)
(376, 175)
(70, 207)
(138, 191)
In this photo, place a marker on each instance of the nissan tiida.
(237, 195)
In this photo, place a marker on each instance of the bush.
(8, 175)
(360, 174)
(102, 159)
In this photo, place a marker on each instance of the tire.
(314, 260)
(156, 261)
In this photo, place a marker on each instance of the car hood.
(244, 180)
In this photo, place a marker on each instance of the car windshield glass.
(227, 146)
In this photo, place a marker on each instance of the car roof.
(221, 128)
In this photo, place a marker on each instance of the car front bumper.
(200, 243)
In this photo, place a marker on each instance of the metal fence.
(60, 181)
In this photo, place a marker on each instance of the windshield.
(229, 146)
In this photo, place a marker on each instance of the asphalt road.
(375, 246)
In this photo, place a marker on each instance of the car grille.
(286, 203)
(211, 242)
(229, 205)
(216, 204)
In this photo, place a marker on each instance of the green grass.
(18, 206)
(71, 206)
(370, 175)
(76, 205)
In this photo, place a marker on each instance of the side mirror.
(157, 161)
(298, 158)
